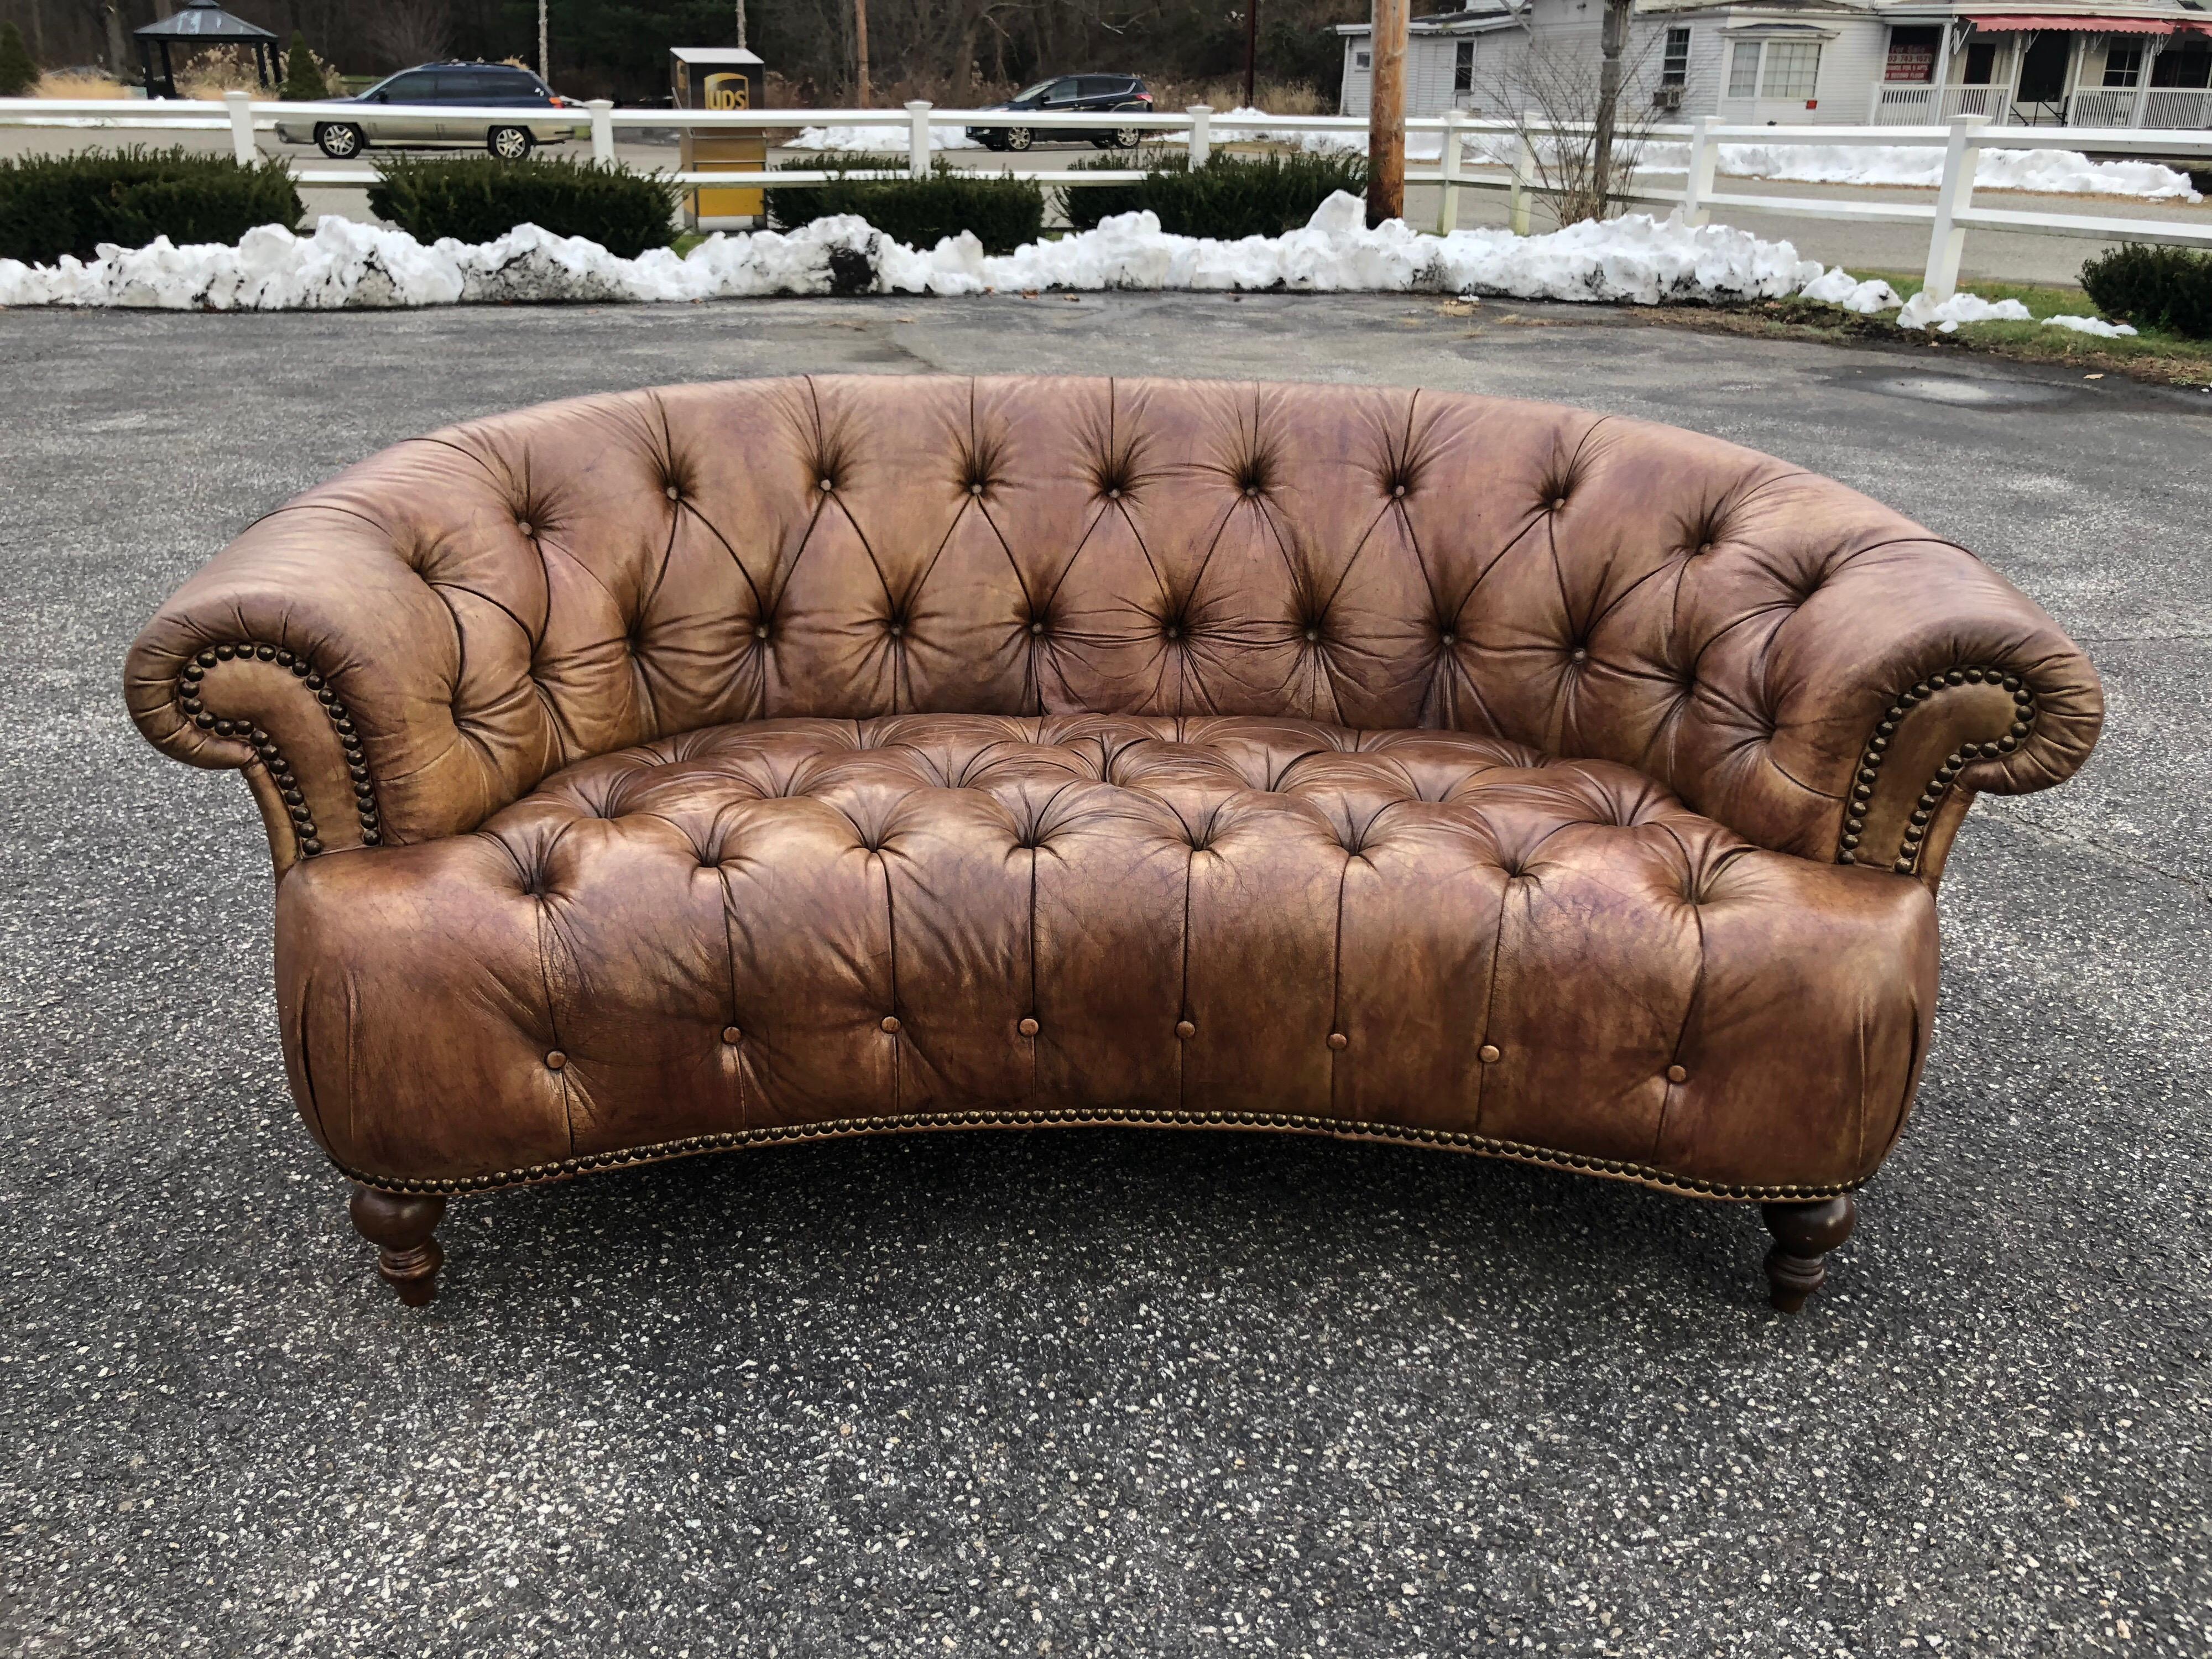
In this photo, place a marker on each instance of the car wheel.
(338, 141)
(1125, 137)
(1020, 138)
(510, 143)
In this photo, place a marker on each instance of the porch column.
(1942, 73)
(2152, 48)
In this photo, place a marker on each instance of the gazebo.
(201, 23)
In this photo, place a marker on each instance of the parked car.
(475, 85)
(1063, 93)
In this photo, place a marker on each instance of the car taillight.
(1144, 97)
(559, 102)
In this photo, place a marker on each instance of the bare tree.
(1613, 42)
(413, 31)
(1586, 168)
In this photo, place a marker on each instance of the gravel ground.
(1080, 1391)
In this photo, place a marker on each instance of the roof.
(1478, 19)
(202, 20)
(713, 55)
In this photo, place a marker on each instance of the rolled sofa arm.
(1910, 678)
(313, 654)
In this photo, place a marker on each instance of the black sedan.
(1109, 95)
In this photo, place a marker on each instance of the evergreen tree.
(303, 77)
(18, 74)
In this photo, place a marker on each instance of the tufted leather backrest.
(514, 594)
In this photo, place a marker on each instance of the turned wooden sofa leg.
(399, 1226)
(1803, 1236)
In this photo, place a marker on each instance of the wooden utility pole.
(544, 54)
(741, 25)
(860, 43)
(1613, 42)
(1251, 51)
(1386, 113)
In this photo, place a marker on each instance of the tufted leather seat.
(738, 763)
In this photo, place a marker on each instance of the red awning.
(2014, 24)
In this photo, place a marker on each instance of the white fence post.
(1524, 175)
(241, 128)
(1448, 208)
(917, 138)
(1704, 161)
(1202, 133)
(603, 128)
(1948, 241)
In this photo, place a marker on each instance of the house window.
(1793, 67)
(1743, 70)
(2186, 61)
(1361, 60)
(1464, 66)
(1981, 64)
(1911, 55)
(2124, 64)
(1675, 62)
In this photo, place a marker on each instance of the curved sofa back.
(490, 603)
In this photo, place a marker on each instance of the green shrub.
(18, 74)
(1003, 212)
(1231, 196)
(477, 199)
(2153, 287)
(51, 205)
(303, 75)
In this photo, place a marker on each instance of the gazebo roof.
(202, 20)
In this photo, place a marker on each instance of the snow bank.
(1637, 260)
(884, 141)
(2049, 172)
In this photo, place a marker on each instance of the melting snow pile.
(1637, 260)
(886, 141)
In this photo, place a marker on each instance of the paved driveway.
(1081, 1391)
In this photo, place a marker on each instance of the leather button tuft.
(1488, 1054)
(1185, 1029)
(975, 489)
(1036, 628)
(826, 486)
(1448, 639)
(1114, 493)
(674, 494)
(555, 1061)
(1338, 1040)
(1028, 1028)
(1397, 490)
(1313, 633)
(891, 1022)
(523, 524)
(732, 1035)
(1559, 503)
(1677, 1074)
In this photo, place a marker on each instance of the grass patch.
(2154, 355)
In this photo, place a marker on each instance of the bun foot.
(400, 1225)
(1803, 1235)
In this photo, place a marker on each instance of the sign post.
(719, 77)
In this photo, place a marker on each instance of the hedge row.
(1228, 197)
(2151, 287)
(1004, 212)
(476, 199)
(51, 205)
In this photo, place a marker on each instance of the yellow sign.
(728, 92)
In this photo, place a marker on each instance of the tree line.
(949, 50)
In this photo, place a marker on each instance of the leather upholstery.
(1278, 752)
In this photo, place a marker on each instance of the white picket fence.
(1949, 218)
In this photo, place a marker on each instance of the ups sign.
(728, 92)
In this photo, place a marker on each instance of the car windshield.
(1036, 91)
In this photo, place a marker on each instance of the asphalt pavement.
(1075, 1392)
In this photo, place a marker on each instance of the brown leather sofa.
(697, 768)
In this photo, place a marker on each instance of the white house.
(2136, 63)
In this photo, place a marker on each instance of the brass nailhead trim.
(1908, 859)
(280, 769)
(1344, 1129)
